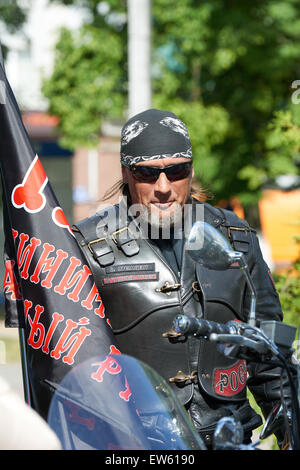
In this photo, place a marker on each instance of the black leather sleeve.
(268, 305)
(265, 380)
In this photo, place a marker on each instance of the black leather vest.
(142, 295)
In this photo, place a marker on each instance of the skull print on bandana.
(152, 135)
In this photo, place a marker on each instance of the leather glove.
(270, 387)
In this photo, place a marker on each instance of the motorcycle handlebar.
(244, 335)
(202, 328)
(229, 332)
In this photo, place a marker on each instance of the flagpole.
(26, 384)
(22, 342)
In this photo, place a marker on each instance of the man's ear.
(193, 172)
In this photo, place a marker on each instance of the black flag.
(49, 289)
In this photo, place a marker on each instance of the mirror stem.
(239, 257)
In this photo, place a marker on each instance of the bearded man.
(136, 251)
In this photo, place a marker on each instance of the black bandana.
(154, 134)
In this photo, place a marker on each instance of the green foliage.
(85, 85)
(288, 287)
(226, 67)
(240, 56)
(12, 16)
(283, 138)
(208, 130)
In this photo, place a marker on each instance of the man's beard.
(160, 224)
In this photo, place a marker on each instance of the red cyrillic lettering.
(24, 255)
(88, 302)
(37, 329)
(75, 416)
(109, 365)
(78, 279)
(27, 307)
(56, 319)
(10, 284)
(46, 264)
(74, 342)
(126, 394)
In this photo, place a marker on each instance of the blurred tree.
(288, 287)
(89, 81)
(225, 67)
(12, 16)
(241, 56)
(86, 84)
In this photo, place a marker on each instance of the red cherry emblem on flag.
(29, 194)
(59, 219)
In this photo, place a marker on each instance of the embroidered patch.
(124, 268)
(228, 382)
(130, 278)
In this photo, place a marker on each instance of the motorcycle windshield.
(118, 403)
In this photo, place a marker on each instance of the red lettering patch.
(228, 382)
(130, 278)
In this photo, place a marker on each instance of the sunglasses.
(150, 174)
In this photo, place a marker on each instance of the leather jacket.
(142, 295)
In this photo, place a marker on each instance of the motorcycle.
(271, 343)
(119, 403)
